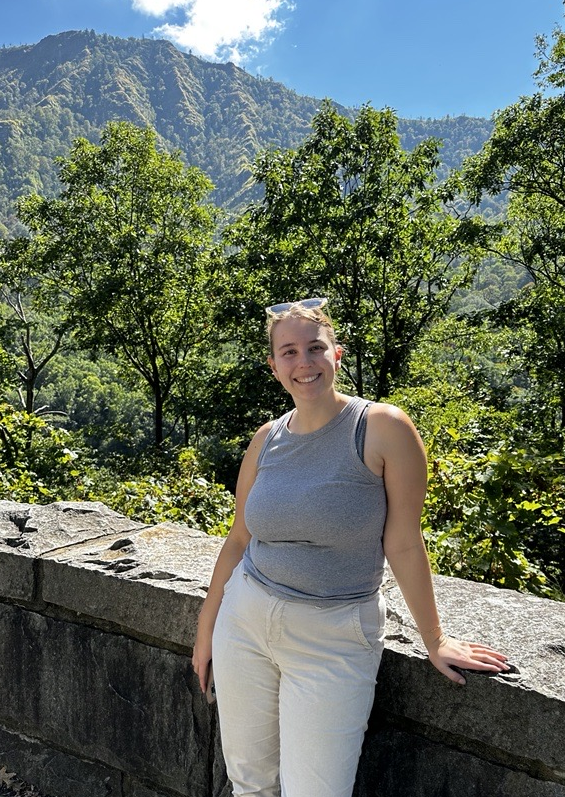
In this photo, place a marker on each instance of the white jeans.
(295, 685)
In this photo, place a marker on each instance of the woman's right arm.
(228, 559)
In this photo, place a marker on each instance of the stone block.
(133, 788)
(55, 772)
(86, 558)
(17, 574)
(221, 786)
(106, 698)
(28, 531)
(39, 529)
(100, 671)
(151, 581)
(398, 764)
(520, 714)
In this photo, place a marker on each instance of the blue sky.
(424, 59)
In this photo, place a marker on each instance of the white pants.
(295, 685)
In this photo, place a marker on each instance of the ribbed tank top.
(316, 513)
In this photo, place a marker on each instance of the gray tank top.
(316, 513)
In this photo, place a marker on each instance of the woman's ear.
(338, 355)
(272, 366)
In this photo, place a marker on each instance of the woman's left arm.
(400, 453)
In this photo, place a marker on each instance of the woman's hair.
(315, 314)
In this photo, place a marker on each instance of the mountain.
(219, 116)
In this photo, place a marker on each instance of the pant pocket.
(368, 621)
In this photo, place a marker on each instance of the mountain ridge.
(219, 116)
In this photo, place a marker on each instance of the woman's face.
(304, 358)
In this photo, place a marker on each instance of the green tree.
(525, 158)
(127, 242)
(19, 332)
(32, 333)
(351, 215)
(498, 517)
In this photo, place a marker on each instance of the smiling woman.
(303, 354)
(294, 617)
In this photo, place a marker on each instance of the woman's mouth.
(304, 380)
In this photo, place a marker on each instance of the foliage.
(176, 490)
(53, 469)
(232, 396)
(31, 339)
(460, 379)
(127, 242)
(113, 415)
(495, 506)
(525, 157)
(353, 205)
(219, 116)
(498, 517)
(7, 370)
(353, 216)
(37, 462)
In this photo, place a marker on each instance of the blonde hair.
(315, 314)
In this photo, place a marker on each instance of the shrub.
(176, 491)
(498, 517)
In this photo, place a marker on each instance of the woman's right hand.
(201, 657)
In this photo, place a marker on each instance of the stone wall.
(98, 698)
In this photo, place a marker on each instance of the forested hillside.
(217, 115)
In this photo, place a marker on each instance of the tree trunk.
(359, 364)
(159, 436)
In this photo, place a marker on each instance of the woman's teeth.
(306, 379)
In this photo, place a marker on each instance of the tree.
(525, 158)
(31, 337)
(351, 215)
(33, 364)
(128, 242)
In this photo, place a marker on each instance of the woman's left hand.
(448, 653)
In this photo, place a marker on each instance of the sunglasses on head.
(309, 304)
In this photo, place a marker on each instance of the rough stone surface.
(28, 531)
(530, 630)
(106, 698)
(54, 772)
(37, 529)
(505, 713)
(220, 784)
(135, 789)
(151, 581)
(398, 764)
(97, 563)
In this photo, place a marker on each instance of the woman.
(294, 617)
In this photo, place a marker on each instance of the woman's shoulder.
(261, 435)
(381, 411)
(248, 468)
(389, 422)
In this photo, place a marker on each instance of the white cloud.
(158, 8)
(219, 29)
